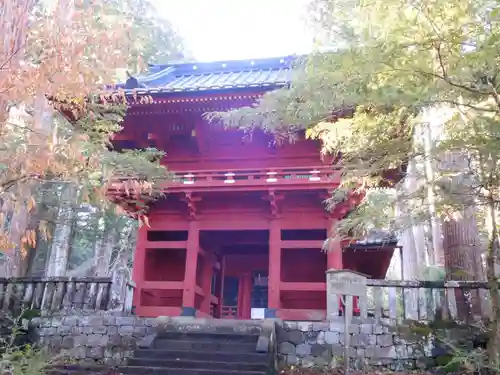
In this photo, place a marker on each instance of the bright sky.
(239, 29)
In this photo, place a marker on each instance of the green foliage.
(25, 361)
(58, 173)
(390, 67)
(393, 68)
(376, 212)
(153, 37)
(18, 354)
(99, 165)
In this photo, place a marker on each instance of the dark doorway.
(260, 290)
(230, 298)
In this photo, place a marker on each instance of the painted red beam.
(318, 244)
(162, 285)
(165, 244)
(302, 287)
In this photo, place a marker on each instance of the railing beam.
(50, 294)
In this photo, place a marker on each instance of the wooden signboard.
(344, 285)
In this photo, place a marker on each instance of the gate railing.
(55, 293)
(425, 300)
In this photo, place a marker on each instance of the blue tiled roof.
(195, 77)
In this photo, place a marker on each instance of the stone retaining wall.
(372, 343)
(110, 337)
(102, 336)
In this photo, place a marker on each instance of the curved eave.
(373, 245)
(212, 93)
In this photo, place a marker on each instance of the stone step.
(184, 324)
(75, 372)
(203, 336)
(196, 364)
(139, 370)
(210, 346)
(245, 329)
(202, 355)
(82, 369)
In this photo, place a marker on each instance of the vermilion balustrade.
(229, 312)
(306, 175)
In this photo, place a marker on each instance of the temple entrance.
(244, 274)
(230, 300)
(260, 290)
(244, 297)
(244, 256)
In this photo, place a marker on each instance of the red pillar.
(221, 290)
(245, 292)
(208, 271)
(138, 270)
(274, 301)
(334, 254)
(193, 244)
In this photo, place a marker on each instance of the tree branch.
(437, 47)
(11, 56)
(458, 104)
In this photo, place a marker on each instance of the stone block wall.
(111, 337)
(102, 336)
(372, 343)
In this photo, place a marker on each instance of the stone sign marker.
(344, 285)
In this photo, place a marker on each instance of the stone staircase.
(199, 353)
(196, 347)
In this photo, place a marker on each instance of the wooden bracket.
(273, 198)
(191, 202)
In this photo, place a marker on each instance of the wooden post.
(334, 254)
(274, 265)
(246, 296)
(127, 304)
(189, 292)
(347, 284)
(139, 265)
(240, 299)
(221, 285)
(347, 335)
(208, 271)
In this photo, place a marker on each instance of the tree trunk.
(120, 270)
(492, 256)
(14, 23)
(436, 257)
(11, 265)
(462, 244)
(412, 251)
(104, 251)
(58, 260)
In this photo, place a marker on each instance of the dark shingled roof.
(377, 238)
(207, 76)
